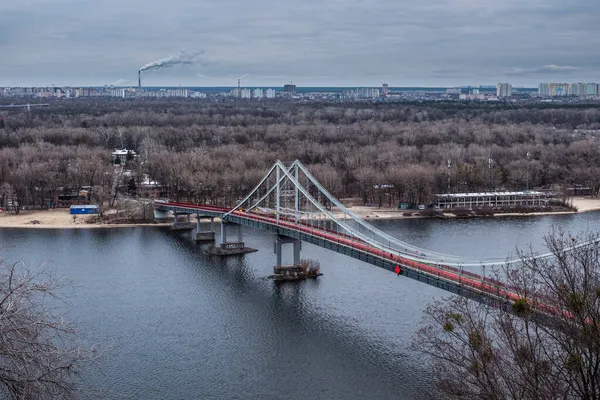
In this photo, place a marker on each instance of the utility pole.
(528, 155)
(490, 162)
(449, 165)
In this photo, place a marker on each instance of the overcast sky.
(308, 42)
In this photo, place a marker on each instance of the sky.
(307, 42)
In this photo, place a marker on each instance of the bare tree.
(480, 352)
(39, 356)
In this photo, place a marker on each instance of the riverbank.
(60, 218)
(57, 218)
(582, 204)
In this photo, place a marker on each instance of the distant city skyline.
(430, 43)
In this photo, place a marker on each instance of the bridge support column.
(181, 225)
(229, 248)
(224, 241)
(295, 271)
(280, 241)
(204, 236)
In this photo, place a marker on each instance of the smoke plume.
(183, 58)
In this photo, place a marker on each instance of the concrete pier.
(201, 235)
(280, 240)
(181, 225)
(226, 247)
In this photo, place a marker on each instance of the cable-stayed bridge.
(291, 203)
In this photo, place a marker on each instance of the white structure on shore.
(471, 201)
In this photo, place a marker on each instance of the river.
(173, 323)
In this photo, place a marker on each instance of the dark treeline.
(205, 151)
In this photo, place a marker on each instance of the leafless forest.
(206, 152)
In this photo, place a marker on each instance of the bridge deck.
(447, 278)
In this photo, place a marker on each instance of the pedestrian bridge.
(292, 204)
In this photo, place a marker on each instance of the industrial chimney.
(140, 78)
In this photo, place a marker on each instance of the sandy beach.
(60, 218)
(57, 218)
(584, 204)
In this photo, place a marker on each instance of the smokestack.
(140, 78)
(239, 82)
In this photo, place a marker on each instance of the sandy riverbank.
(584, 204)
(60, 218)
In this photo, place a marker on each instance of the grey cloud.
(545, 69)
(353, 42)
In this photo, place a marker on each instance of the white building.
(246, 93)
(361, 93)
(369, 93)
(117, 93)
(122, 155)
(503, 90)
(178, 93)
(578, 89)
(257, 93)
(270, 94)
(471, 201)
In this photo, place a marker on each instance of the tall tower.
(385, 90)
(140, 78)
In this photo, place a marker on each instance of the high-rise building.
(578, 89)
(289, 88)
(543, 89)
(368, 93)
(246, 94)
(117, 93)
(503, 90)
(270, 94)
(583, 89)
(558, 89)
(385, 90)
(257, 93)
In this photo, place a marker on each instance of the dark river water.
(173, 323)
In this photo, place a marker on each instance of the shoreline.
(61, 219)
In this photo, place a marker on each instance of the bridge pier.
(161, 215)
(179, 225)
(226, 247)
(293, 272)
(280, 240)
(204, 236)
(230, 244)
